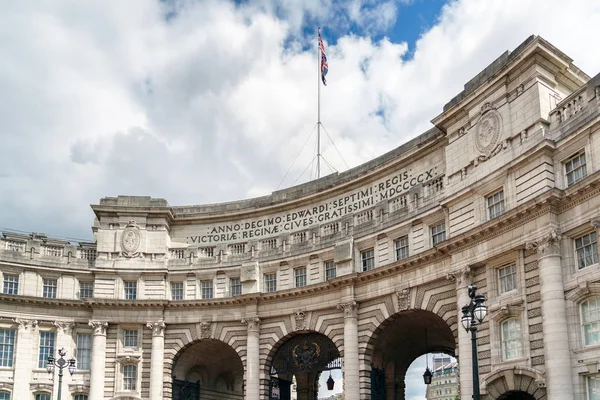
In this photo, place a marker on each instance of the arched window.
(129, 377)
(590, 319)
(80, 397)
(511, 339)
(43, 396)
(4, 396)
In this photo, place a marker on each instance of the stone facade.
(371, 264)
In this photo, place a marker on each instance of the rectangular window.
(130, 290)
(593, 383)
(46, 348)
(207, 289)
(84, 351)
(130, 338)
(129, 377)
(495, 204)
(7, 347)
(401, 248)
(86, 290)
(575, 169)
(235, 286)
(176, 290)
(507, 278)
(300, 276)
(438, 233)
(511, 339)
(11, 284)
(43, 396)
(82, 396)
(367, 259)
(587, 250)
(49, 288)
(330, 270)
(270, 282)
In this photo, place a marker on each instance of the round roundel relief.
(488, 132)
(130, 241)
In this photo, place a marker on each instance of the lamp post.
(61, 363)
(473, 315)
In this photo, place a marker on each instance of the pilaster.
(556, 338)
(351, 365)
(156, 359)
(64, 340)
(23, 362)
(252, 358)
(98, 360)
(462, 279)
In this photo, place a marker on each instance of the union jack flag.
(324, 64)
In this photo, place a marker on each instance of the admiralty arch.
(364, 270)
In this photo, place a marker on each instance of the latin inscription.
(321, 213)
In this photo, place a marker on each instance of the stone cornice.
(42, 301)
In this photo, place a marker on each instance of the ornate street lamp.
(330, 382)
(427, 374)
(61, 363)
(473, 315)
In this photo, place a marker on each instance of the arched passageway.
(515, 383)
(304, 357)
(208, 369)
(516, 395)
(398, 342)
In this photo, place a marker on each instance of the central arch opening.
(208, 369)
(299, 361)
(516, 395)
(399, 341)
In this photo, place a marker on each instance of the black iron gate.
(184, 390)
(377, 384)
(280, 389)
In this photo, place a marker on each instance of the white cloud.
(213, 103)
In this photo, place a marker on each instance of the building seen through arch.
(362, 271)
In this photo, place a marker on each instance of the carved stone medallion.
(306, 355)
(130, 241)
(488, 132)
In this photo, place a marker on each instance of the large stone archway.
(515, 383)
(207, 369)
(303, 356)
(516, 395)
(398, 342)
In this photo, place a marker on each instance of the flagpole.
(319, 106)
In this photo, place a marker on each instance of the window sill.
(590, 272)
(81, 371)
(585, 349)
(510, 362)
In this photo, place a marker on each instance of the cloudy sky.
(207, 101)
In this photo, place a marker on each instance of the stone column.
(464, 354)
(23, 358)
(252, 358)
(554, 317)
(64, 340)
(156, 359)
(351, 374)
(98, 359)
